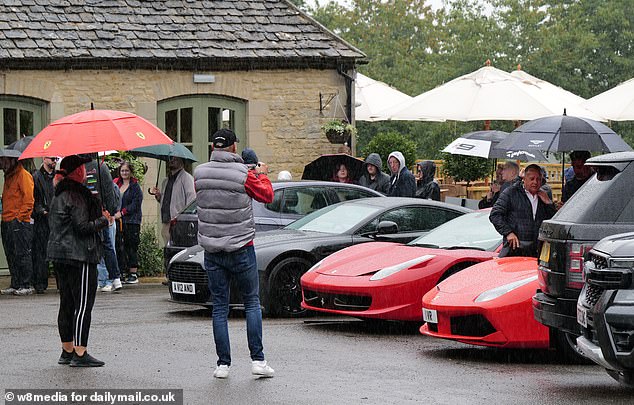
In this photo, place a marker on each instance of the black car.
(603, 206)
(291, 201)
(284, 255)
(605, 309)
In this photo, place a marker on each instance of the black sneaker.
(85, 361)
(132, 279)
(66, 357)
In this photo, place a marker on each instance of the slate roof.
(166, 34)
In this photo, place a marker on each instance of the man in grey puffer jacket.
(224, 189)
(373, 177)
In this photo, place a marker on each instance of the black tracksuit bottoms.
(77, 290)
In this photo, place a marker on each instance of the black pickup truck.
(605, 309)
(603, 206)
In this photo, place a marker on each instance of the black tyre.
(566, 346)
(285, 292)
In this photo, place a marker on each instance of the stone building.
(261, 67)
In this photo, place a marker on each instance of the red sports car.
(380, 280)
(488, 304)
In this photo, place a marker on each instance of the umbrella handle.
(149, 191)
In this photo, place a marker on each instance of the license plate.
(545, 254)
(430, 315)
(183, 288)
(582, 316)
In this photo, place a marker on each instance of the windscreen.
(473, 230)
(335, 219)
(606, 197)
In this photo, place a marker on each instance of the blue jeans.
(240, 265)
(108, 267)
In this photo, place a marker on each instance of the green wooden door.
(192, 120)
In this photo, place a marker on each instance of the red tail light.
(575, 269)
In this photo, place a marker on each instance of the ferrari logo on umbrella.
(47, 144)
(140, 135)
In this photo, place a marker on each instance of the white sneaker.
(8, 291)
(116, 284)
(106, 288)
(23, 291)
(99, 288)
(222, 371)
(261, 369)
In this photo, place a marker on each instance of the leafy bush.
(465, 168)
(150, 252)
(139, 168)
(387, 142)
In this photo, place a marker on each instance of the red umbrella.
(94, 131)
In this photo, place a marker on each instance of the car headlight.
(316, 266)
(499, 291)
(621, 264)
(388, 271)
(177, 255)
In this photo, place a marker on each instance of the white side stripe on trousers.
(81, 311)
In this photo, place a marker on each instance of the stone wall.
(283, 108)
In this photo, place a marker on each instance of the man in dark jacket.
(426, 186)
(519, 212)
(402, 182)
(99, 182)
(581, 173)
(373, 177)
(42, 194)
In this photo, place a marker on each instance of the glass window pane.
(212, 120)
(26, 123)
(171, 124)
(10, 129)
(276, 204)
(186, 125)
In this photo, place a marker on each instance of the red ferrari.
(488, 304)
(381, 280)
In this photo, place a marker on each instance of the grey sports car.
(284, 255)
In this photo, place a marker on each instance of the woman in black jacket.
(130, 215)
(75, 218)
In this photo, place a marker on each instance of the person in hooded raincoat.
(373, 177)
(402, 181)
(426, 186)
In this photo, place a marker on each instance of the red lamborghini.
(488, 304)
(380, 280)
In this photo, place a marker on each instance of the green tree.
(387, 142)
(465, 168)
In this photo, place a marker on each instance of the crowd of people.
(72, 215)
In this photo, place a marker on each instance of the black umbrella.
(563, 133)
(325, 166)
(486, 144)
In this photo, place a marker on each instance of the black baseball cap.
(72, 162)
(223, 138)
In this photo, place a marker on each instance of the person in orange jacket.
(16, 226)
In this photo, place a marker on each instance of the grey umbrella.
(16, 148)
(563, 133)
(486, 144)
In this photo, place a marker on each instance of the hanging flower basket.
(338, 131)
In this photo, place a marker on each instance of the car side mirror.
(386, 227)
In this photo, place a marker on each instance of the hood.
(374, 159)
(368, 258)
(485, 276)
(428, 170)
(398, 155)
(249, 156)
(283, 236)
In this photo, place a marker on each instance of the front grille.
(433, 327)
(186, 272)
(341, 302)
(471, 325)
(593, 293)
(600, 262)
